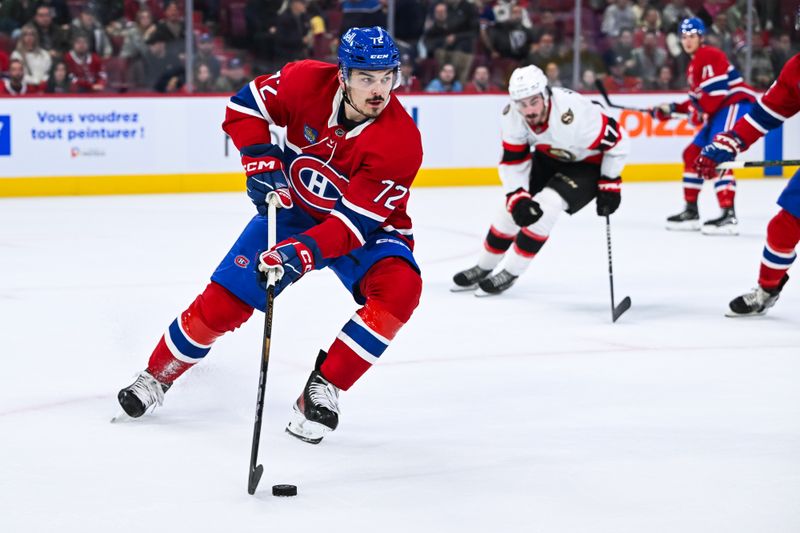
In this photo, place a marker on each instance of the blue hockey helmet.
(693, 25)
(367, 49)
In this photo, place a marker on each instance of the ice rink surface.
(528, 412)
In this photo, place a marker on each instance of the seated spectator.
(58, 81)
(622, 50)
(781, 51)
(721, 30)
(446, 82)
(136, 34)
(665, 80)
(205, 54)
(452, 34)
(86, 24)
(14, 84)
(618, 82)
(51, 37)
(149, 68)
(34, 59)
(649, 59)
(172, 30)
(408, 82)
(511, 39)
(132, 8)
(204, 80)
(292, 33)
(588, 79)
(761, 75)
(543, 52)
(553, 74)
(589, 58)
(618, 16)
(233, 78)
(651, 23)
(481, 82)
(86, 73)
(261, 16)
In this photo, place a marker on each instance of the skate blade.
(121, 417)
(480, 293)
(684, 226)
(459, 288)
(306, 430)
(724, 230)
(732, 314)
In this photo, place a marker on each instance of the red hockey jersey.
(354, 182)
(713, 83)
(781, 101)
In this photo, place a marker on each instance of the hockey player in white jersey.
(560, 151)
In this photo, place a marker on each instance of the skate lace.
(502, 278)
(324, 394)
(756, 297)
(148, 390)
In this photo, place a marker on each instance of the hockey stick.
(625, 304)
(601, 88)
(749, 164)
(256, 470)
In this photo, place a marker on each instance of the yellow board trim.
(234, 181)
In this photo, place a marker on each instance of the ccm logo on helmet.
(257, 166)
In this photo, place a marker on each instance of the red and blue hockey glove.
(290, 260)
(523, 208)
(265, 177)
(608, 195)
(662, 111)
(724, 147)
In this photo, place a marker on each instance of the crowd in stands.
(90, 46)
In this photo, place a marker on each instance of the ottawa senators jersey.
(713, 83)
(780, 102)
(354, 182)
(576, 129)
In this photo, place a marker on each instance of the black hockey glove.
(608, 195)
(524, 209)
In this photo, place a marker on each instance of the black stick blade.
(255, 477)
(623, 306)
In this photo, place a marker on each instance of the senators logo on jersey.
(318, 185)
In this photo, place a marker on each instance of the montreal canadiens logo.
(317, 184)
(241, 261)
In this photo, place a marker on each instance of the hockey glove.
(608, 195)
(662, 111)
(724, 147)
(265, 177)
(523, 208)
(289, 260)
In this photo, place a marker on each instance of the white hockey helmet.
(526, 82)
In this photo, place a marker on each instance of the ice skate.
(495, 284)
(141, 395)
(686, 220)
(468, 279)
(725, 224)
(316, 411)
(755, 302)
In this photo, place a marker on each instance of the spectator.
(14, 84)
(781, 51)
(35, 61)
(649, 59)
(261, 16)
(204, 80)
(651, 23)
(171, 30)
(589, 58)
(86, 73)
(664, 81)
(543, 52)
(511, 39)
(58, 81)
(446, 82)
(205, 54)
(673, 13)
(720, 30)
(618, 16)
(452, 34)
(145, 71)
(13, 13)
(3, 62)
(546, 24)
(233, 78)
(292, 33)
(761, 75)
(408, 82)
(361, 14)
(58, 8)
(622, 49)
(588, 80)
(553, 74)
(51, 37)
(155, 7)
(134, 44)
(481, 82)
(618, 82)
(86, 24)
(409, 22)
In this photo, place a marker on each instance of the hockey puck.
(284, 490)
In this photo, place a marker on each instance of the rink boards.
(141, 144)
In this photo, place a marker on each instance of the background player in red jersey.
(781, 101)
(717, 97)
(560, 151)
(342, 181)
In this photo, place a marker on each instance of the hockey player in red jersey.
(717, 98)
(578, 155)
(342, 179)
(780, 102)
